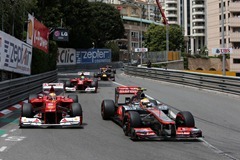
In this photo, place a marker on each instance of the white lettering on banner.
(66, 56)
(19, 55)
(39, 40)
(64, 34)
(94, 54)
(16, 56)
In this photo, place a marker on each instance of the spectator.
(149, 64)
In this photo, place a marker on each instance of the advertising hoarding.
(93, 55)
(66, 56)
(37, 34)
(15, 55)
(60, 34)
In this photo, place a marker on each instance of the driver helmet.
(52, 96)
(146, 103)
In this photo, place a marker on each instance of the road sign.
(140, 50)
(222, 50)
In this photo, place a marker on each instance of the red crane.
(165, 21)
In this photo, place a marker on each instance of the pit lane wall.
(220, 83)
(16, 90)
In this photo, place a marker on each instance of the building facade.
(231, 20)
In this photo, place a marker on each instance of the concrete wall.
(207, 64)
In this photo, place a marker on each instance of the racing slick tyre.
(132, 120)
(31, 96)
(74, 97)
(107, 109)
(27, 110)
(76, 110)
(95, 84)
(184, 119)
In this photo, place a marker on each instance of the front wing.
(70, 121)
(74, 89)
(181, 133)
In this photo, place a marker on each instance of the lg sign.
(60, 35)
(66, 56)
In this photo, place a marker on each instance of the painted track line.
(3, 148)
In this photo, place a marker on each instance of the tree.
(113, 45)
(155, 38)
(106, 23)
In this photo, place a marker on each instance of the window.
(236, 60)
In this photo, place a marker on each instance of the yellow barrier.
(228, 73)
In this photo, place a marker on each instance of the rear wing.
(85, 73)
(127, 90)
(48, 87)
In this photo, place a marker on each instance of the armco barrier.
(62, 68)
(202, 81)
(15, 90)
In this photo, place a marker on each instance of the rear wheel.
(76, 110)
(184, 119)
(27, 110)
(132, 120)
(107, 109)
(68, 84)
(95, 84)
(74, 97)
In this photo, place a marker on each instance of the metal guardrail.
(16, 90)
(220, 83)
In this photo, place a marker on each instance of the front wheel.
(132, 120)
(76, 110)
(184, 119)
(27, 110)
(107, 109)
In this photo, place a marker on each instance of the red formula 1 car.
(85, 83)
(143, 118)
(48, 109)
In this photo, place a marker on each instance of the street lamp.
(222, 28)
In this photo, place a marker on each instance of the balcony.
(234, 21)
(198, 6)
(199, 27)
(198, 20)
(198, 13)
(198, 34)
(235, 37)
(172, 15)
(172, 22)
(171, 2)
(171, 8)
(234, 6)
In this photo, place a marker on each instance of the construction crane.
(165, 22)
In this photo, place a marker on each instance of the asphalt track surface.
(217, 115)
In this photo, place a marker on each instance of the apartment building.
(231, 19)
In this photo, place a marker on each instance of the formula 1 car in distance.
(146, 118)
(85, 83)
(48, 109)
(105, 74)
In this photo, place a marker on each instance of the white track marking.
(12, 130)
(3, 148)
(4, 135)
(6, 111)
(207, 144)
